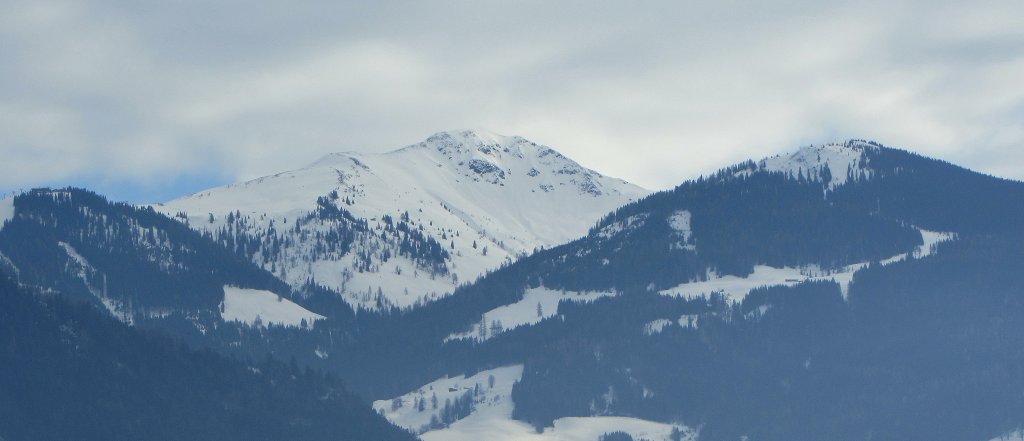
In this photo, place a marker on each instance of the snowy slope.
(493, 427)
(506, 194)
(1017, 435)
(249, 305)
(844, 161)
(6, 210)
(491, 418)
(736, 288)
(537, 304)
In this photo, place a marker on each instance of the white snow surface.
(490, 399)
(680, 222)
(627, 224)
(6, 210)
(524, 312)
(1017, 435)
(656, 326)
(497, 428)
(736, 288)
(689, 320)
(245, 305)
(509, 195)
(841, 158)
(492, 417)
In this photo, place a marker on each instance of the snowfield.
(842, 160)
(736, 288)
(495, 428)
(246, 305)
(492, 417)
(504, 194)
(525, 312)
(487, 401)
(6, 210)
(656, 326)
(1017, 435)
(680, 221)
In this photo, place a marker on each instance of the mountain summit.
(407, 226)
(833, 163)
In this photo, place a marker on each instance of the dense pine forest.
(70, 371)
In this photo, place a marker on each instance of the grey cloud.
(654, 92)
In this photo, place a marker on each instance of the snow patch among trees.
(257, 307)
(496, 428)
(423, 410)
(490, 416)
(628, 223)
(680, 222)
(834, 163)
(1016, 435)
(736, 288)
(537, 304)
(656, 326)
(6, 210)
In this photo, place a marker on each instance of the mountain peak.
(468, 201)
(461, 146)
(482, 144)
(834, 162)
(473, 137)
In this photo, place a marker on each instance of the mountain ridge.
(486, 199)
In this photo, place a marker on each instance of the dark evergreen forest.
(69, 371)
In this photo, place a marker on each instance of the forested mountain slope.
(883, 284)
(845, 291)
(72, 372)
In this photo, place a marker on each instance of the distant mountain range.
(477, 286)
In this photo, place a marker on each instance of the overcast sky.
(145, 101)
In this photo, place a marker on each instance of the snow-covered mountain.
(731, 307)
(741, 301)
(405, 227)
(834, 163)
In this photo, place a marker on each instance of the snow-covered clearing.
(656, 326)
(492, 420)
(1017, 435)
(496, 428)
(401, 282)
(526, 311)
(246, 305)
(680, 222)
(931, 240)
(6, 210)
(617, 227)
(488, 399)
(736, 288)
(689, 320)
(840, 158)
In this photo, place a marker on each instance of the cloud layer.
(148, 99)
